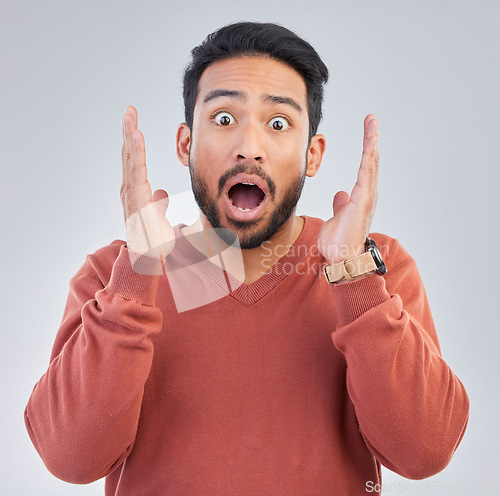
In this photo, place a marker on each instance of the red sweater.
(286, 386)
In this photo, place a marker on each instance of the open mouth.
(246, 196)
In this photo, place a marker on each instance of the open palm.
(343, 236)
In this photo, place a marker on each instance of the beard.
(251, 234)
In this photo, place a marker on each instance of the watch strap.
(349, 269)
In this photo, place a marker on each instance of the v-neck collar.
(256, 290)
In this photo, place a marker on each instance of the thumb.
(160, 199)
(339, 201)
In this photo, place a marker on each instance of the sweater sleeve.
(411, 408)
(82, 415)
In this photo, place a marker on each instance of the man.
(309, 369)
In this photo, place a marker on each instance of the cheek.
(200, 155)
(208, 147)
(204, 164)
(292, 160)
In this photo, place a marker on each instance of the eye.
(279, 123)
(224, 119)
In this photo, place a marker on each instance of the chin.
(253, 234)
(253, 226)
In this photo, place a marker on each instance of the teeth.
(248, 184)
(239, 208)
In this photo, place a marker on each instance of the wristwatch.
(367, 262)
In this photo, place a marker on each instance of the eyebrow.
(224, 93)
(285, 100)
(239, 95)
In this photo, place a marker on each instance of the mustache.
(243, 168)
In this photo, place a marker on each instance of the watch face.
(377, 257)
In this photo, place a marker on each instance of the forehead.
(251, 75)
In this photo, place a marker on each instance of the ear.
(315, 154)
(183, 143)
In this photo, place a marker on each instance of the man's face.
(248, 149)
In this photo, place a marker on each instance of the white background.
(429, 71)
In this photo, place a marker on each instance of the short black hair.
(255, 38)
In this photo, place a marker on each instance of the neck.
(256, 261)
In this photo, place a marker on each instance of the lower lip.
(249, 215)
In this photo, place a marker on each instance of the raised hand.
(148, 231)
(343, 236)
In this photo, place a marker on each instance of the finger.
(376, 164)
(161, 201)
(370, 132)
(127, 148)
(369, 124)
(134, 153)
(133, 111)
(339, 201)
(138, 164)
(373, 131)
(135, 191)
(159, 194)
(125, 152)
(369, 165)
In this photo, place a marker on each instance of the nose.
(250, 143)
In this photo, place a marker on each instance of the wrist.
(357, 278)
(342, 254)
(367, 262)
